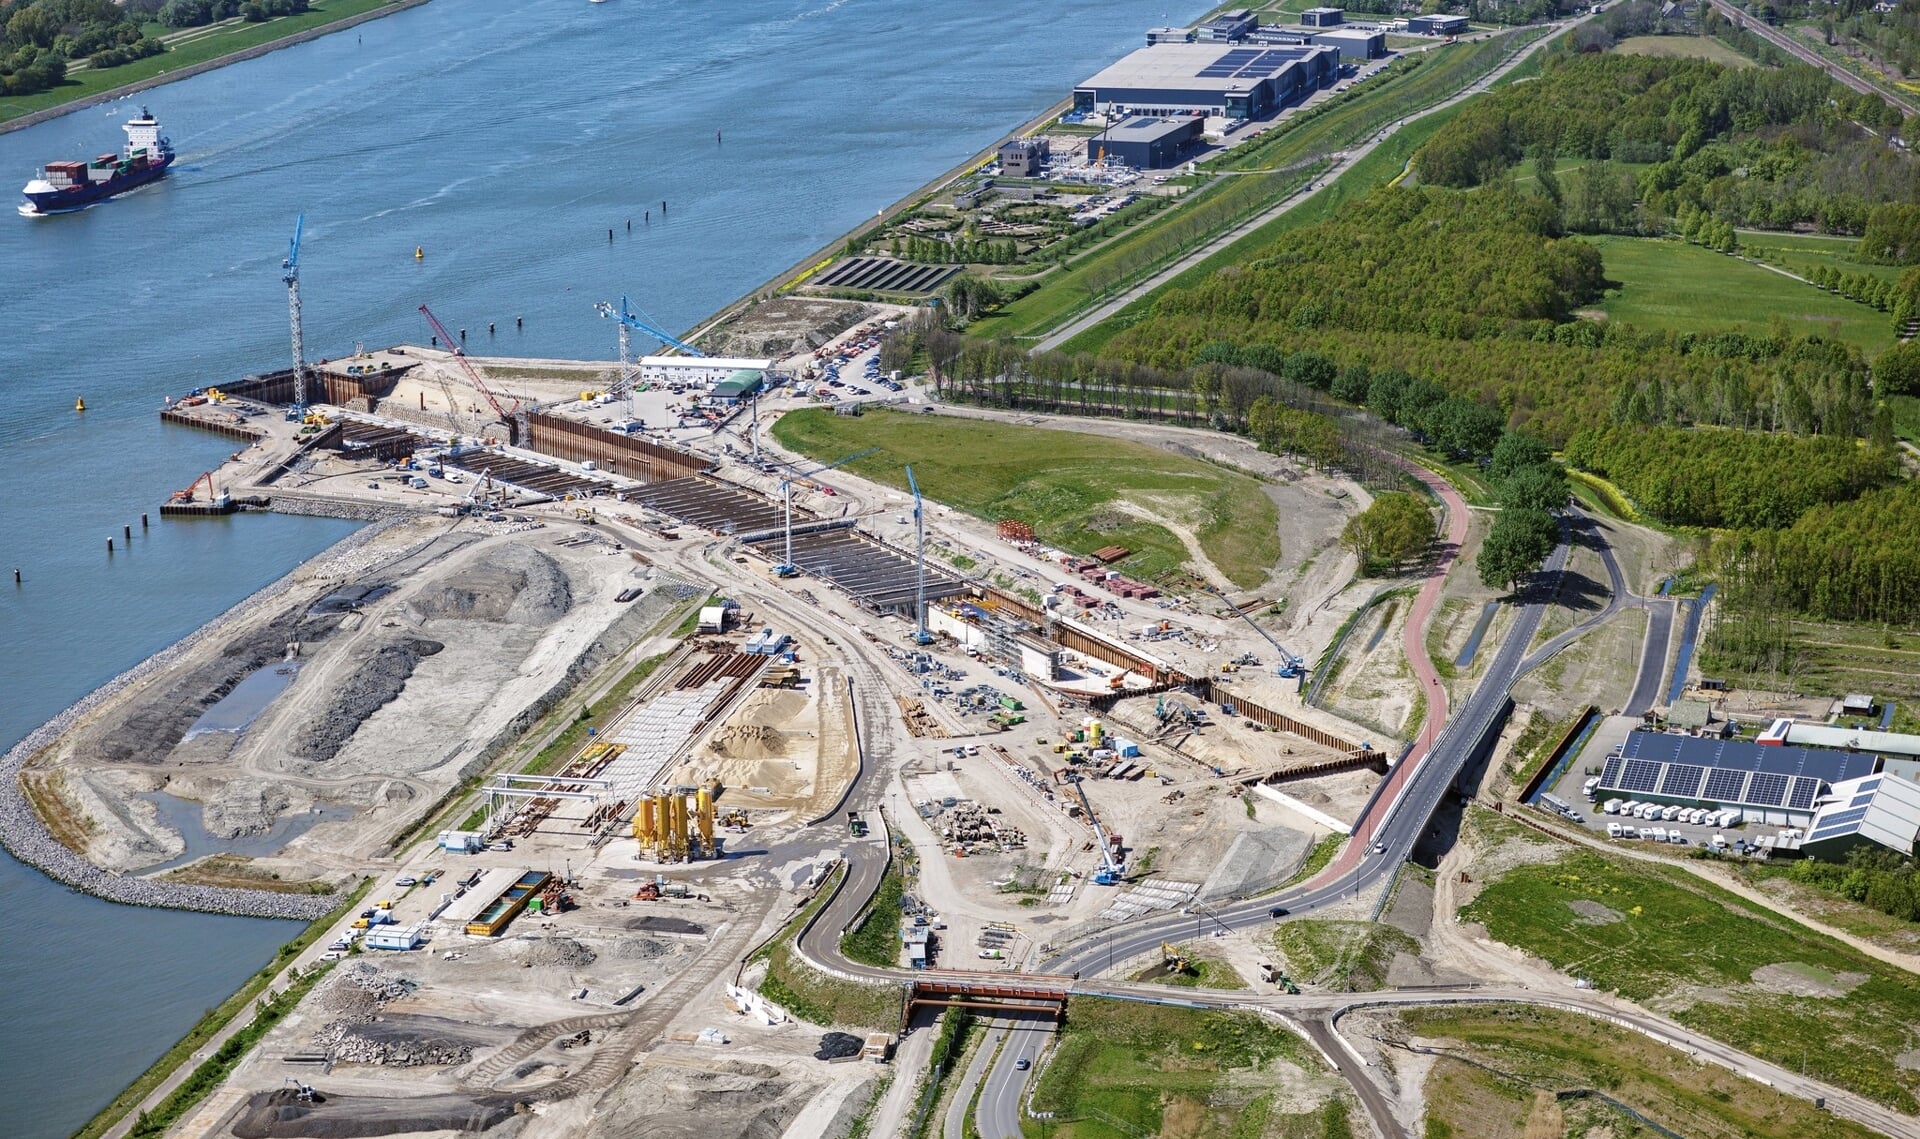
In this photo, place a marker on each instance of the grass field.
(1716, 963)
(237, 35)
(1180, 1074)
(1684, 47)
(1686, 288)
(1534, 1049)
(1077, 490)
(1843, 657)
(1343, 956)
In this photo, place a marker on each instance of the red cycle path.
(1414, 644)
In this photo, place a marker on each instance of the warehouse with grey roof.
(1172, 79)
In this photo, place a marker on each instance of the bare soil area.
(388, 673)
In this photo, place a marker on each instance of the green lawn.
(1163, 1071)
(1718, 964)
(1684, 47)
(1077, 490)
(1686, 288)
(234, 37)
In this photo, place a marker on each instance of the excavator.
(1176, 961)
(187, 494)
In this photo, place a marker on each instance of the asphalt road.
(1653, 656)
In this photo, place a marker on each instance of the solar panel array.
(1249, 63)
(1804, 792)
(1682, 779)
(1863, 794)
(1767, 789)
(1724, 785)
(1229, 63)
(1640, 775)
(1838, 823)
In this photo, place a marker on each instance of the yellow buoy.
(419, 253)
(80, 404)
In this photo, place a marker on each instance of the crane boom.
(920, 634)
(1290, 665)
(291, 277)
(1111, 869)
(786, 568)
(473, 374)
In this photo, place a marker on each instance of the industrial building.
(1355, 43)
(1437, 25)
(1227, 27)
(1883, 809)
(1323, 17)
(1024, 157)
(1169, 36)
(1766, 784)
(689, 371)
(742, 384)
(1169, 80)
(495, 900)
(1798, 733)
(1149, 143)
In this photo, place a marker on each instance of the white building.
(696, 371)
(395, 937)
(1878, 808)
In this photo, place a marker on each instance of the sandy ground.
(395, 695)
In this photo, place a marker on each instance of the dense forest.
(1767, 148)
(1728, 478)
(1398, 282)
(1857, 561)
(38, 38)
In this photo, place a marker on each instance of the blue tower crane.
(291, 276)
(630, 322)
(786, 568)
(920, 634)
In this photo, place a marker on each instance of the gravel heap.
(373, 686)
(561, 952)
(368, 1044)
(641, 949)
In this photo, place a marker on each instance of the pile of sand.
(749, 741)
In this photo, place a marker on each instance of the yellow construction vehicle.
(1176, 961)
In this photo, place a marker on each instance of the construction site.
(600, 700)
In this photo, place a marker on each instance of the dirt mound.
(359, 989)
(373, 686)
(282, 1114)
(640, 949)
(560, 952)
(1801, 980)
(408, 1041)
(749, 741)
(1593, 913)
(659, 923)
(515, 584)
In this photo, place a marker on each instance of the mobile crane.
(1290, 666)
(1112, 869)
(507, 415)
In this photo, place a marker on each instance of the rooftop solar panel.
(1821, 763)
(1802, 796)
(1640, 775)
(1611, 772)
(1682, 779)
(1724, 784)
(1767, 789)
(1839, 823)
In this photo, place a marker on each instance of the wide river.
(502, 137)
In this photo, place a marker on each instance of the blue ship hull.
(80, 197)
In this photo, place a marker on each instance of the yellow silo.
(706, 822)
(643, 825)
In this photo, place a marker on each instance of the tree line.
(38, 38)
(1729, 478)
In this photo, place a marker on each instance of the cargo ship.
(67, 186)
